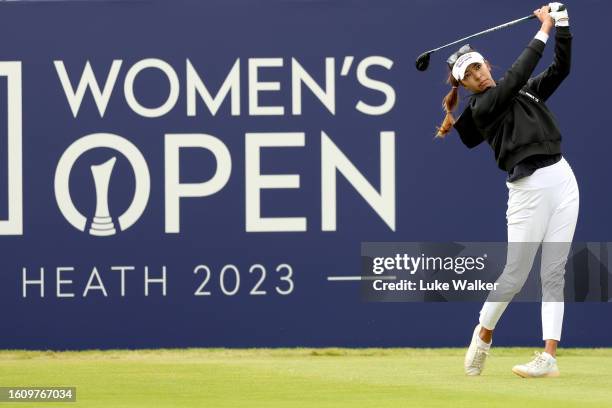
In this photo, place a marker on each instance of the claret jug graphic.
(102, 224)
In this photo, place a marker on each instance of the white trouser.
(542, 207)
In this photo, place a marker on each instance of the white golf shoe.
(542, 365)
(476, 354)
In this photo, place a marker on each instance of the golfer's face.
(477, 78)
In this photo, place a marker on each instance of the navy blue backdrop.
(444, 192)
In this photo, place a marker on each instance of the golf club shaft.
(499, 27)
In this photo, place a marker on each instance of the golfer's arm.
(496, 99)
(548, 81)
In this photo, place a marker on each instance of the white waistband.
(544, 177)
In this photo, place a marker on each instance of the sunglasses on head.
(463, 50)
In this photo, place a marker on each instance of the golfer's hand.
(544, 16)
(561, 17)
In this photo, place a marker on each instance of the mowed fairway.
(308, 378)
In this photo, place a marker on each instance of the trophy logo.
(102, 224)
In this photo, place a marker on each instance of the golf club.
(422, 62)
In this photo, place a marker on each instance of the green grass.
(308, 378)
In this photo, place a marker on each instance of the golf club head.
(422, 62)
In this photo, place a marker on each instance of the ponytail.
(449, 103)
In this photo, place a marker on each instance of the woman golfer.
(511, 115)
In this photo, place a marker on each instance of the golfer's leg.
(527, 223)
(518, 264)
(556, 246)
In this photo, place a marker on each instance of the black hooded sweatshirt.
(512, 116)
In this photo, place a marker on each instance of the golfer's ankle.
(485, 335)
(551, 351)
(550, 347)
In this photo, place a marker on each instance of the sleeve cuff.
(537, 46)
(542, 36)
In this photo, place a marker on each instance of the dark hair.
(449, 103)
